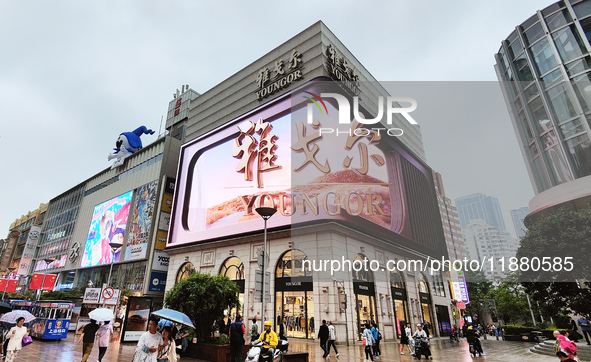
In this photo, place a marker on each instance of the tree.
(478, 288)
(73, 293)
(510, 300)
(204, 298)
(556, 241)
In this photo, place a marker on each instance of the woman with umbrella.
(16, 335)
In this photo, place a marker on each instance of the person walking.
(323, 336)
(585, 327)
(104, 335)
(403, 340)
(368, 342)
(254, 330)
(15, 343)
(376, 337)
(236, 333)
(150, 343)
(167, 352)
(87, 338)
(332, 337)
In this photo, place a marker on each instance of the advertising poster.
(160, 262)
(136, 318)
(139, 235)
(108, 225)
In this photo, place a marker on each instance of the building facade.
(349, 199)
(451, 222)
(489, 245)
(518, 215)
(544, 70)
(480, 206)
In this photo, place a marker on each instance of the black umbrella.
(5, 307)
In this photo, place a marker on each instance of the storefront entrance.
(443, 320)
(298, 310)
(294, 296)
(365, 305)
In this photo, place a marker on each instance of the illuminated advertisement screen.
(107, 225)
(137, 242)
(277, 156)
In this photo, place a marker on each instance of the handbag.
(364, 341)
(27, 340)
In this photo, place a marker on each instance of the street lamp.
(265, 213)
(114, 246)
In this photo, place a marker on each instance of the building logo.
(273, 78)
(391, 107)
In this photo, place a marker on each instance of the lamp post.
(47, 261)
(265, 213)
(114, 246)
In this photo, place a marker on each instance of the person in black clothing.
(87, 339)
(236, 332)
(563, 357)
(283, 330)
(323, 336)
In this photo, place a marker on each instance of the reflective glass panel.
(534, 33)
(578, 66)
(580, 154)
(516, 47)
(582, 87)
(543, 56)
(569, 43)
(561, 102)
(558, 19)
(571, 128)
(582, 9)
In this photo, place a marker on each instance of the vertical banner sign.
(136, 318)
(165, 209)
(29, 251)
(137, 243)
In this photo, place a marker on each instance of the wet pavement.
(443, 350)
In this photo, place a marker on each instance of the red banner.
(12, 286)
(36, 281)
(3, 283)
(49, 282)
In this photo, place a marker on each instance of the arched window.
(290, 265)
(361, 274)
(233, 268)
(423, 284)
(185, 271)
(397, 280)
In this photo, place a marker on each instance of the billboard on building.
(108, 224)
(29, 250)
(141, 222)
(310, 168)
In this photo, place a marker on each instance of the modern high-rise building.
(544, 67)
(485, 243)
(480, 206)
(451, 222)
(518, 215)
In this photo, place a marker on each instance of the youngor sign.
(276, 156)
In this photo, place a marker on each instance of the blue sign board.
(56, 329)
(157, 282)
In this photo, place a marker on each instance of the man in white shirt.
(332, 336)
(152, 340)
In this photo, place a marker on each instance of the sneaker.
(337, 355)
(402, 353)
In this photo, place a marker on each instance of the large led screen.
(108, 224)
(310, 168)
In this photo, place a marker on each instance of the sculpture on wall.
(127, 144)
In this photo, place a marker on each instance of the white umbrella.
(11, 317)
(101, 314)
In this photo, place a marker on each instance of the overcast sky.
(73, 75)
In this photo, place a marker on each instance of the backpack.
(570, 347)
(379, 335)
